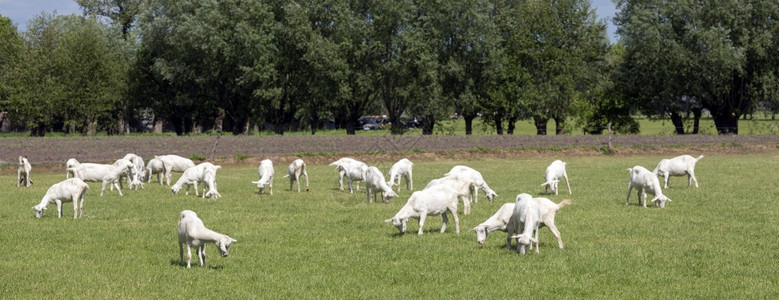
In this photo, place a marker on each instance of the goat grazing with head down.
(193, 233)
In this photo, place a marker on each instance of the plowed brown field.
(57, 150)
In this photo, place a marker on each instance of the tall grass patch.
(717, 241)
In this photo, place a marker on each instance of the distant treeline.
(193, 65)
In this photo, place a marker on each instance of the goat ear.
(387, 220)
(233, 240)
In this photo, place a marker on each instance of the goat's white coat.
(23, 173)
(402, 168)
(462, 186)
(437, 200)
(265, 171)
(476, 181)
(678, 166)
(193, 233)
(554, 172)
(545, 209)
(195, 175)
(498, 221)
(645, 182)
(375, 184)
(297, 168)
(174, 163)
(108, 174)
(137, 171)
(70, 164)
(68, 190)
(354, 170)
(155, 166)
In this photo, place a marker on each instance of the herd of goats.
(521, 219)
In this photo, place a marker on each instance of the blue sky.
(22, 10)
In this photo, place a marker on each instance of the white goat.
(438, 200)
(462, 186)
(352, 169)
(401, 168)
(209, 178)
(174, 163)
(108, 174)
(70, 164)
(193, 176)
(547, 210)
(137, 171)
(194, 233)
(374, 183)
(526, 220)
(265, 171)
(476, 181)
(678, 166)
(297, 168)
(155, 166)
(23, 173)
(498, 221)
(554, 172)
(68, 190)
(645, 181)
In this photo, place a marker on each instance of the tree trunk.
(676, 119)
(499, 126)
(696, 112)
(157, 126)
(219, 120)
(512, 125)
(726, 123)
(427, 125)
(468, 124)
(350, 126)
(540, 125)
(559, 126)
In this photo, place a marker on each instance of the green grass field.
(718, 241)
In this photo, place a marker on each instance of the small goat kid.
(193, 233)
(23, 173)
(297, 168)
(68, 190)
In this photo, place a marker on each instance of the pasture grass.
(718, 241)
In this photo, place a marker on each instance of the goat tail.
(563, 203)
(699, 157)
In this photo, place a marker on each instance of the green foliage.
(329, 243)
(198, 157)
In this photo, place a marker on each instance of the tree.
(721, 54)
(10, 50)
(215, 56)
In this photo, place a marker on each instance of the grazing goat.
(297, 168)
(70, 164)
(402, 168)
(195, 175)
(645, 181)
(547, 210)
(678, 166)
(476, 181)
(193, 233)
(265, 171)
(498, 221)
(68, 190)
(462, 186)
(174, 163)
(137, 170)
(437, 200)
(354, 170)
(374, 183)
(108, 174)
(23, 173)
(554, 172)
(155, 166)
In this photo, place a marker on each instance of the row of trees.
(285, 65)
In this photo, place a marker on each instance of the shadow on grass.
(177, 262)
